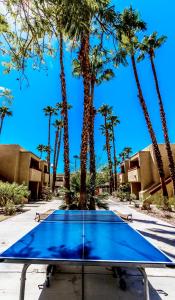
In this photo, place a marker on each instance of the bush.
(46, 194)
(9, 208)
(14, 192)
(159, 201)
(124, 193)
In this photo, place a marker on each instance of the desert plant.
(9, 208)
(13, 192)
(46, 194)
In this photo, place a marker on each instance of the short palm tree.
(148, 46)
(4, 112)
(49, 111)
(114, 121)
(129, 25)
(105, 110)
(41, 149)
(127, 152)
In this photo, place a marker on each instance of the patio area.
(99, 283)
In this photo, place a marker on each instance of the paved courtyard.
(99, 282)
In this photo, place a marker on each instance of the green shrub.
(9, 208)
(46, 194)
(124, 193)
(158, 200)
(172, 201)
(12, 192)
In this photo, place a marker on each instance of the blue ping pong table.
(98, 238)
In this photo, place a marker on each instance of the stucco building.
(142, 173)
(22, 166)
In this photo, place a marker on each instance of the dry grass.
(3, 217)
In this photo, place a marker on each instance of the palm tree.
(127, 151)
(105, 110)
(49, 111)
(122, 156)
(127, 28)
(41, 149)
(58, 124)
(77, 19)
(148, 46)
(75, 158)
(99, 73)
(65, 122)
(114, 121)
(4, 112)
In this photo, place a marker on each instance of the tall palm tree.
(49, 111)
(114, 121)
(130, 24)
(58, 124)
(4, 112)
(78, 19)
(99, 73)
(41, 149)
(148, 46)
(105, 110)
(65, 122)
(75, 158)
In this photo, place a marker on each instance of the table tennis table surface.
(98, 237)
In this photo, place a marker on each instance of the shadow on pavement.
(159, 238)
(152, 222)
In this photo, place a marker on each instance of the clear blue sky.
(28, 126)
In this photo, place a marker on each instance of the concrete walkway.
(99, 282)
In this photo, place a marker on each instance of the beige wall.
(149, 175)
(15, 167)
(24, 167)
(146, 172)
(9, 162)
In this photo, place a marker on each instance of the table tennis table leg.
(146, 284)
(23, 279)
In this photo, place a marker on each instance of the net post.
(23, 279)
(146, 284)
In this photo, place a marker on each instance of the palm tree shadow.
(152, 222)
(78, 252)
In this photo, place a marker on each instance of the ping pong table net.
(80, 217)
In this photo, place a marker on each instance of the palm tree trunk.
(164, 126)
(41, 152)
(152, 134)
(48, 155)
(1, 123)
(85, 70)
(92, 150)
(115, 159)
(65, 124)
(58, 148)
(111, 178)
(54, 161)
